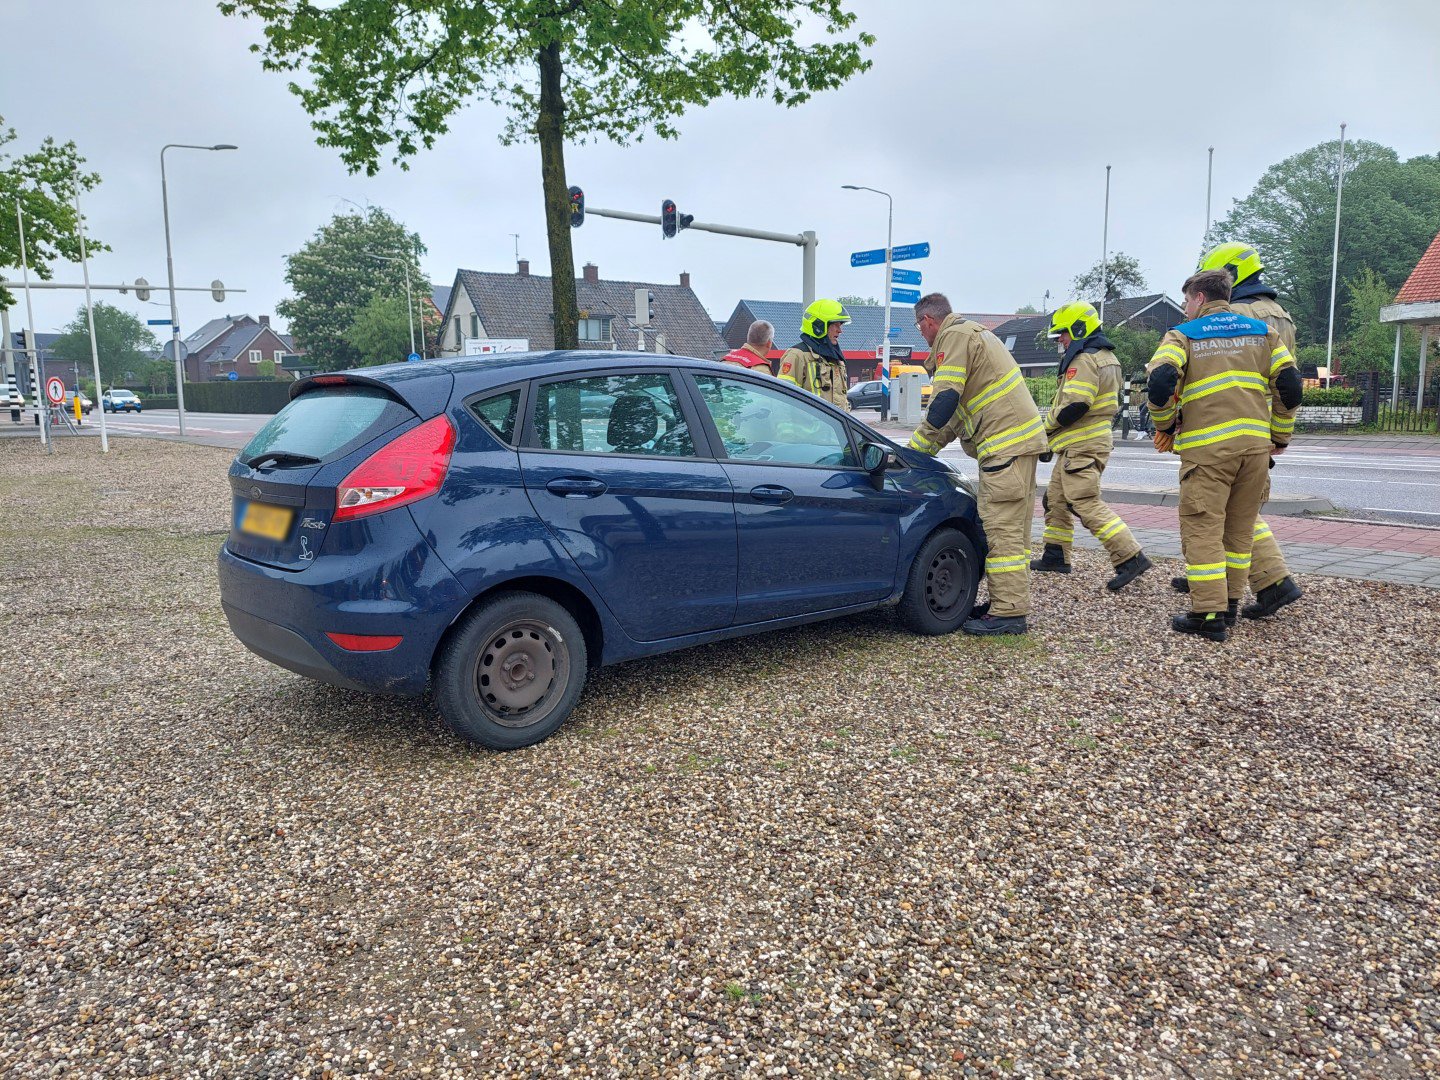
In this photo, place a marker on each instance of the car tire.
(942, 583)
(488, 671)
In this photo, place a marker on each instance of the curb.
(1280, 506)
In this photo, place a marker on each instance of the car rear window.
(327, 424)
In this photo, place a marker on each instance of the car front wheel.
(511, 672)
(940, 589)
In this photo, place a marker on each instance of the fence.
(1382, 409)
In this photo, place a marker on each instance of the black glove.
(1048, 455)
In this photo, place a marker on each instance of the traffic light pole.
(806, 241)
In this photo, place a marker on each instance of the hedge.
(1331, 395)
(237, 397)
(1042, 390)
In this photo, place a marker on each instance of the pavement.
(1315, 537)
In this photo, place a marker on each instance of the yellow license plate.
(271, 522)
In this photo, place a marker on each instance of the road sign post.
(905, 296)
(901, 276)
(55, 390)
(911, 251)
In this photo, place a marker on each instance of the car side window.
(499, 413)
(613, 414)
(757, 423)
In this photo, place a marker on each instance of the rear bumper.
(284, 617)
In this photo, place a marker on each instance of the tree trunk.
(551, 130)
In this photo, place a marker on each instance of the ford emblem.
(254, 493)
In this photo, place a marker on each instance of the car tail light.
(402, 471)
(365, 642)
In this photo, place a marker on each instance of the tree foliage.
(335, 275)
(1133, 347)
(123, 343)
(856, 300)
(1122, 275)
(1390, 212)
(385, 76)
(381, 330)
(1369, 344)
(44, 182)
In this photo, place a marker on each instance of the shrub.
(1332, 396)
(242, 396)
(1042, 390)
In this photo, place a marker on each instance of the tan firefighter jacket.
(810, 371)
(1094, 379)
(997, 416)
(1226, 389)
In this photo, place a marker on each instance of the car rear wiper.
(280, 457)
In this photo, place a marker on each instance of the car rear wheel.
(941, 587)
(512, 671)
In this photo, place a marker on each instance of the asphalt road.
(1374, 482)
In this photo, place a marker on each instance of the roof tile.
(1423, 284)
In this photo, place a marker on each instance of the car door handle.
(771, 493)
(576, 487)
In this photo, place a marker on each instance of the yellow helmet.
(820, 314)
(1243, 258)
(1078, 319)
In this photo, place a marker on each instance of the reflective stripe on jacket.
(823, 378)
(1093, 379)
(996, 415)
(1225, 396)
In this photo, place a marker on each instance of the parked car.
(867, 395)
(121, 401)
(86, 405)
(9, 399)
(491, 529)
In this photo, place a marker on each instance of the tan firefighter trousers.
(1218, 506)
(1007, 512)
(1074, 491)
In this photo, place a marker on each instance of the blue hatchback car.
(491, 528)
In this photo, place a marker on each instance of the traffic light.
(644, 307)
(217, 291)
(142, 289)
(577, 208)
(668, 216)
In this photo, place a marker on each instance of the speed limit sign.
(55, 390)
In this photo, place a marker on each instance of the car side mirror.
(874, 457)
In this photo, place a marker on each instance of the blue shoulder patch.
(1223, 324)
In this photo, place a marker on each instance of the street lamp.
(885, 341)
(170, 270)
(409, 302)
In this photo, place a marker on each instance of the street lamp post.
(409, 300)
(884, 341)
(170, 270)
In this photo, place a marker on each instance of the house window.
(254, 356)
(279, 355)
(595, 330)
(474, 324)
(459, 338)
(1010, 343)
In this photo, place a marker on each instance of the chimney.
(592, 274)
(684, 279)
(264, 320)
(522, 267)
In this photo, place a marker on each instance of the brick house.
(235, 343)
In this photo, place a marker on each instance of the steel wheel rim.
(517, 670)
(945, 582)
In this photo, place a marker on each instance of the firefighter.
(1239, 387)
(978, 396)
(1086, 399)
(815, 362)
(1270, 578)
(759, 340)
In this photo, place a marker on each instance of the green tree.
(334, 276)
(855, 300)
(1133, 347)
(265, 369)
(44, 182)
(1369, 344)
(385, 76)
(159, 375)
(123, 343)
(381, 330)
(1028, 309)
(1123, 277)
(1390, 213)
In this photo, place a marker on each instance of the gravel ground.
(1103, 851)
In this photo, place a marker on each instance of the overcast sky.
(991, 124)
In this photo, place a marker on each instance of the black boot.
(1052, 560)
(1209, 624)
(1231, 613)
(1180, 584)
(1272, 598)
(1128, 571)
(994, 625)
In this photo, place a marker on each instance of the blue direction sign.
(894, 331)
(904, 277)
(233, 376)
(910, 251)
(413, 357)
(905, 296)
(867, 258)
(157, 322)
